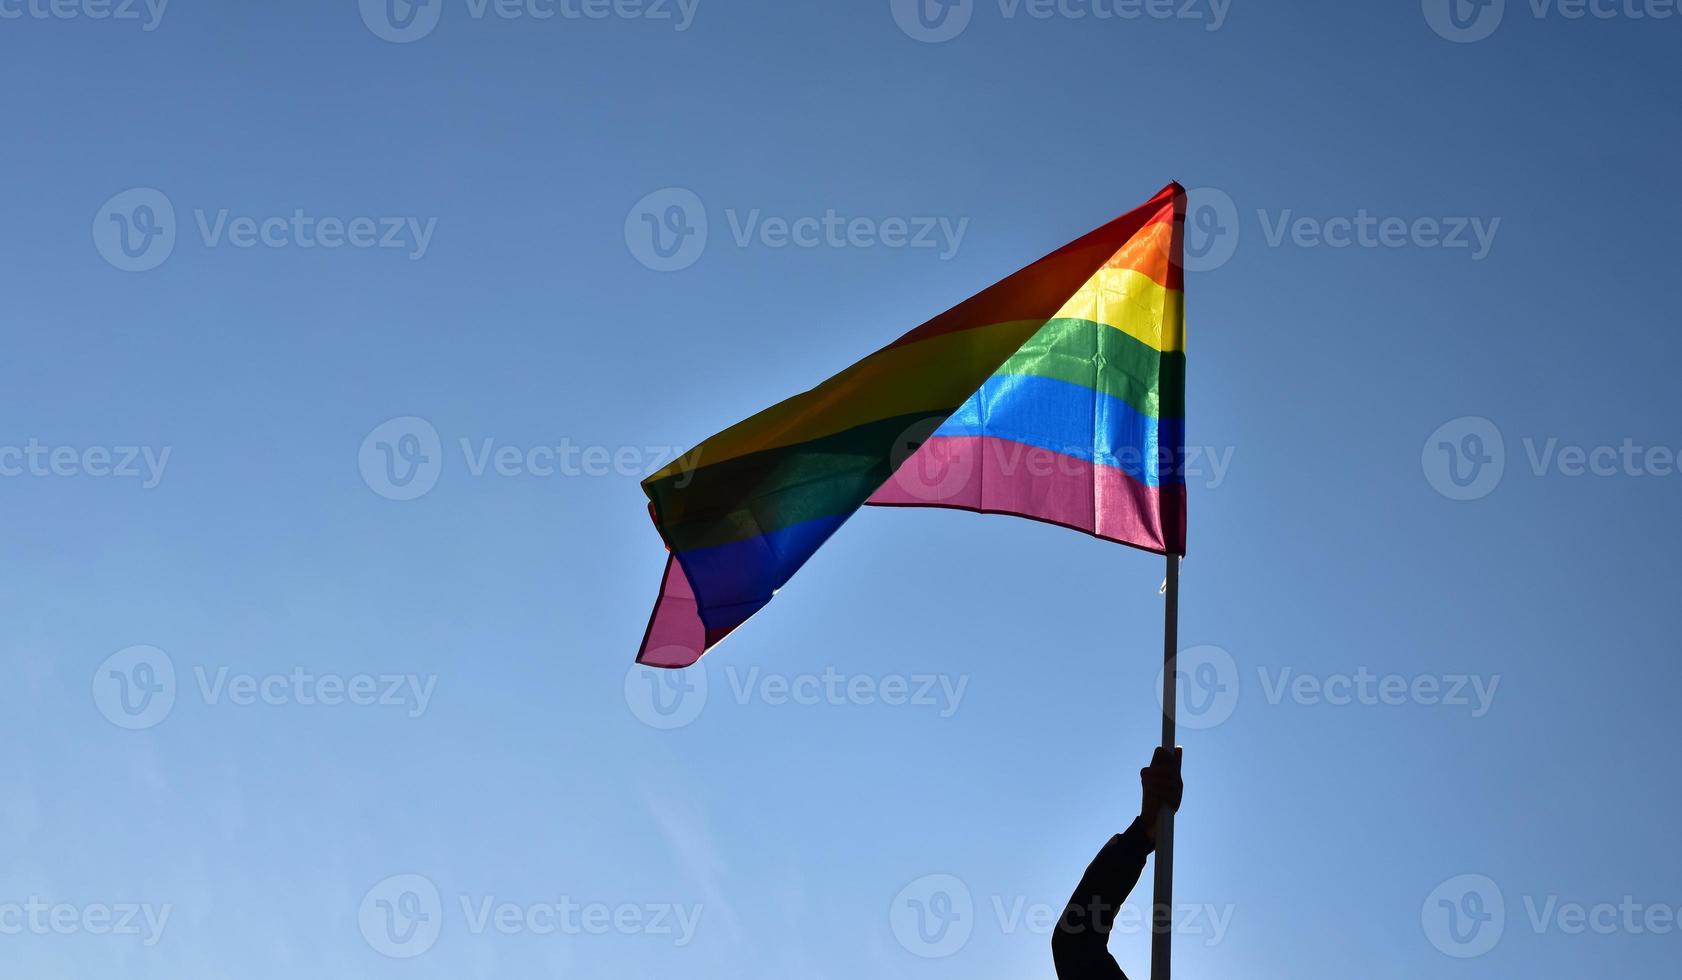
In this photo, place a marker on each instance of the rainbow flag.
(1057, 394)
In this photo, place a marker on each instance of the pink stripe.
(997, 476)
(675, 637)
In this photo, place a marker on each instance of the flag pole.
(1162, 911)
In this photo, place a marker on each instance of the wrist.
(1143, 828)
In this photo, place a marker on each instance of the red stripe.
(997, 476)
(1040, 290)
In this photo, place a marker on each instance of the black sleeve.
(1080, 944)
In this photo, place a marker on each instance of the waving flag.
(1056, 394)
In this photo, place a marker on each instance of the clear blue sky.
(265, 562)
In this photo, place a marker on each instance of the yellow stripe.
(928, 376)
(1133, 303)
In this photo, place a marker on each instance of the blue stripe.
(1076, 421)
(732, 581)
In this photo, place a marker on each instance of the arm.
(1080, 944)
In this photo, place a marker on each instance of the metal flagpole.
(1162, 911)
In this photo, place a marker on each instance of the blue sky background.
(1322, 835)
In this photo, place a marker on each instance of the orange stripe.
(1038, 291)
(1149, 252)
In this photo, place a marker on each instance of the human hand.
(1162, 787)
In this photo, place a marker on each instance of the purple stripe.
(675, 637)
(997, 476)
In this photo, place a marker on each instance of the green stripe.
(749, 495)
(1103, 358)
(745, 496)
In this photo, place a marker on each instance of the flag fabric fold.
(1057, 394)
